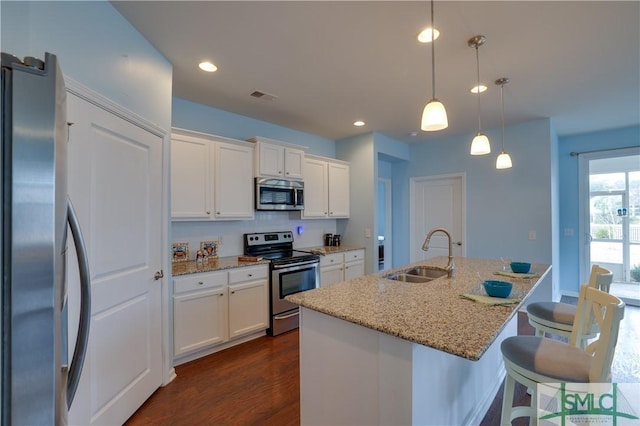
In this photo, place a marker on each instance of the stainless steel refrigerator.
(38, 382)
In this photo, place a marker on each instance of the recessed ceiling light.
(358, 123)
(425, 35)
(478, 89)
(207, 66)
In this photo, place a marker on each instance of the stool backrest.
(600, 278)
(607, 311)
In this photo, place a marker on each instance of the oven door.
(290, 279)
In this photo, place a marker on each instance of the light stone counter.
(331, 249)
(212, 264)
(431, 314)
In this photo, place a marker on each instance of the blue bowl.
(497, 288)
(520, 267)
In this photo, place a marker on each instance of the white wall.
(230, 233)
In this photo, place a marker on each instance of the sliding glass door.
(613, 211)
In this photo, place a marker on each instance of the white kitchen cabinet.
(212, 309)
(326, 185)
(211, 177)
(199, 312)
(233, 181)
(277, 159)
(343, 266)
(190, 177)
(248, 300)
(353, 264)
(339, 185)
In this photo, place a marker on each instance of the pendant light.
(480, 144)
(434, 116)
(504, 160)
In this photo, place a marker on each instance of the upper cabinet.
(211, 177)
(278, 159)
(326, 188)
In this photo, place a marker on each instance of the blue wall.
(502, 205)
(202, 118)
(569, 205)
(95, 46)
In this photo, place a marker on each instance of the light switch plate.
(532, 235)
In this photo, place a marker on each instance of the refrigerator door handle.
(82, 341)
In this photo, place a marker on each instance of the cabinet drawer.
(331, 259)
(352, 256)
(250, 273)
(199, 282)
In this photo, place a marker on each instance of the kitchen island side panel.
(351, 374)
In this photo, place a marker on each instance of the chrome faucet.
(451, 266)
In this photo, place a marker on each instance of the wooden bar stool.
(530, 360)
(557, 318)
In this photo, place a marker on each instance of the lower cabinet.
(210, 309)
(343, 266)
(248, 301)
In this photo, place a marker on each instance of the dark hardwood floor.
(255, 383)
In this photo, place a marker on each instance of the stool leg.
(507, 400)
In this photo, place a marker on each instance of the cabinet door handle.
(159, 274)
(233, 292)
(208, 212)
(200, 283)
(250, 275)
(221, 294)
(218, 213)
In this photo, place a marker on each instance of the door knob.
(159, 274)
(458, 243)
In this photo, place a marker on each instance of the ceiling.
(330, 63)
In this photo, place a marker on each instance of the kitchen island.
(380, 351)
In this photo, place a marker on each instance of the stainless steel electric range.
(291, 271)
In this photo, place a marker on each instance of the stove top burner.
(276, 247)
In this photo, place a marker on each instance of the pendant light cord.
(433, 55)
(502, 102)
(478, 88)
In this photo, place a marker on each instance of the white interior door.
(115, 183)
(437, 202)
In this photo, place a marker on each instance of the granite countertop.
(324, 250)
(431, 314)
(212, 264)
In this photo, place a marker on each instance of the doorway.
(611, 218)
(384, 224)
(437, 202)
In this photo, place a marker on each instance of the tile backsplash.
(230, 233)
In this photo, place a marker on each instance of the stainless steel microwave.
(279, 194)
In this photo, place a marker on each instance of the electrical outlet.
(367, 232)
(532, 235)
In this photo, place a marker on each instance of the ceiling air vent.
(263, 95)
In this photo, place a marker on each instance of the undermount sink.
(408, 278)
(426, 271)
(419, 274)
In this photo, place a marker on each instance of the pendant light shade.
(504, 159)
(434, 116)
(480, 144)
